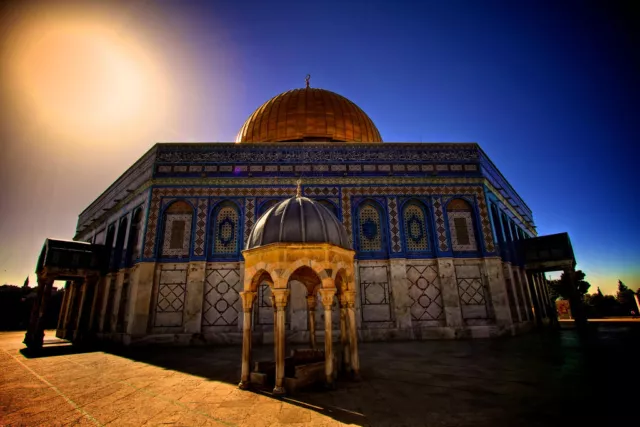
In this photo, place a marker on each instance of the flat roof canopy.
(547, 253)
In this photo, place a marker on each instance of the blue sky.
(548, 89)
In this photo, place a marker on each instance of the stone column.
(535, 302)
(311, 314)
(450, 296)
(281, 296)
(344, 333)
(73, 294)
(92, 282)
(248, 298)
(83, 293)
(35, 333)
(327, 301)
(108, 282)
(275, 324)
(113, 316)
(354, 359)
(63, 310)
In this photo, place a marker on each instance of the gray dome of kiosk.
(298, 220)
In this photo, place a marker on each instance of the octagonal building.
(434, 227)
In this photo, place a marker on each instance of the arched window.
(460, 215)
(226, 229)
(415, 228)
(118, 259)
(327, 204)
(134, 237)
(176, 240)
(369, 228)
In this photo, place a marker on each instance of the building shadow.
(541, 378)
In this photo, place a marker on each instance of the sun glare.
(81, 75)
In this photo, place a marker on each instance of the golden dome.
(308, 114)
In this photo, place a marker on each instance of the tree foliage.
(16, 303)
(562, 288)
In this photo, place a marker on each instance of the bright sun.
(81, 75)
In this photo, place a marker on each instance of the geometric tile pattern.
(471, 291)
(415, 230)
(485, 222)
(249, 217)
(375, 296)
(346, 196)
(171, 298)
(425, 293)
(394, 228)
(442, 232)
(226, 230)
(220, 297)
(369, 233)
(201, 227)
(471, 245)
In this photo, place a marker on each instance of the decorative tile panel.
(441, 232)
(375, 298)
(226, 230)
(425, 293)
(201, 227)
(415, 229)
(471, 291)
(455, 243)
(369, 229)
(171, 296)
(220, 298)
(394, 224)
(183, 251)
(345, 193)
(249, 217)
(474, 296)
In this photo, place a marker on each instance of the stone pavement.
(539, 379)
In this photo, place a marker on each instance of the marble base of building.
(197, 303)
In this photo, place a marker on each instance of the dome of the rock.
(309, 114)
(298, 220)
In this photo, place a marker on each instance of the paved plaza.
(538, 379)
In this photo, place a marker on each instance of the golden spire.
(299, 188)
(306, 80)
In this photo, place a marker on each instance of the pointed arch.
(370, 230)
(416, 227)
(176, 237)
(461, 225)
(135, 231)
(225, 230)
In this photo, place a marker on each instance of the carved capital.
(327, 297)
(350, 298)
(281, 298)
(248, 298)
(311, 302)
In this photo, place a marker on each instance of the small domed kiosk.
(300, 239)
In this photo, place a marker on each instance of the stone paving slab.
(534, 380)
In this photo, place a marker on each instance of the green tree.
(625, 297)
(562, 288)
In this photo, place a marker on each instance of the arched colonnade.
(326, 271)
